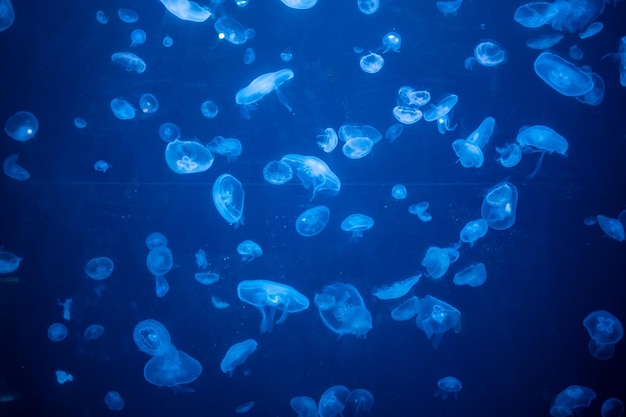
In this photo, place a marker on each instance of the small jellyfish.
(399, 192)
(12, 170)
(209, 109)
(474, 275)
(312, 221)
(419, 209)
(122, 109)
(286, 55)
(94, 331)
(114, 401)
(219, 304)
(392, 42)
(57, 332)
(63, 377)
(357, 224)
(206, 278)
(407, 115)
(101, 166)
(169, 132)
(101, 17)
(21, 126)
(201, 260)
(148, 103)
(228, 198)
(99, 268)
(249, 56)
(371, 63)
(328, 140)
(277, 172)
(394, 131)
(449, 7)
(575, 52)
(612, 407)
(448, 385)
(490, 54)
(80, 123)
(245, 407)
(137, 37)
(249, 250)
(168, 41)
(155, 239)
(368, 6)
(67, 307)
(127, 15)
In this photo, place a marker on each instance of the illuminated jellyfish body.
(122, 109)
(313, 173)
(510, 155)
(371, 63)
(474, 275)
(187, 10)
(129, 61)
(148, 103)
(409, 97)
(419, 209)
(499, 206)
(441, 109)
(206, 278)
(394, 131)
(209, 109)
(305, 406)
(397, 289)
(127, 15)
(443, 123)
(268, 297)
(534, 15)
(7, 15)
(333, 401)
(469, 150)
(539, 138)
(449, 7)
(63, 377)
(436, 262)
(169, 132)
(93, 331)
(188, 157)
(620, 56)
(249, 56)
(563, 76)
(21, 126)
(392, 42)
(236, 355)
(168, 41)
(591, 30)
(159, 262)
(356, 224)
(299, 4)
(228, 197)
(101, 17)
(407, 310)
(248, 97)
(155, 239)
(399, 192)
(605, 330)
(277, 172)
(359, 140)
(571, 398)
(152, 337)
(249, 250)
(473, 230)
(343, 310)
(312, 221)
(612, 407)
(490, 54)
(12, 170)
(361, 400)
(245, 407)
(286, 55)
(57, 332)
(99, 268)
(171, 368)
(448, 385)
(137, 37)
(407, 114)
(233, 31)
(544, 41)
(80, 123)
(614, 228)
(368, 6)
(596, 95)
(575, 15)
(436, 317)
(9, 262)
(229, 147)
(328, 141)
(114, 401)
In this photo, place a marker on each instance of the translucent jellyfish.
(122, 109)
(474, 275)
(99, 268)
(277, 172)
(67, 307)
(12, 170)
(114, 401)
(407, 310)
(348, 132)
(127, 15)
(188, 157)
(572, 397)
(228, 197)
(563, 76)
(419, 209)
(399, 192)
(304, 406)
(407, 115)
(101, 166)
(229, 147)
(612, 227)
(591, 30)
(236, 355)
(473, 230)
(443, 123)
(7, 15)
(168, 41)
(620, 56)
(510, 155)
(448, 385)
(206, 278)
(101, 17)
(21, 126)
(361, 400)
(371, 63)
(231, 30)
(219, 304)
(368, 6)
(201, 260)
(436, 317)
(441, 109)
(449, 7)
(9, 262)
(328, 141)
(600, 351)
(490, 54)
(152, 337)
(596, 95)
(313, 173)
(159, 260)
(392, 42)
(249, 56)
(155, 239)
(500, 205)
(312, 221)
(93, 331)
(541, 139)
(63, 377)
(286, 55)
(172, 368)
(408, 96)
(269, 296)
(436, 262)
(148, 103)
(574, 15)
(534, 15)
(57, 332)
(397, 289)
(343, 310)
(612, 407)
(245, 407)
(469, 150)
(604, 327)
(261, 86)
(357, 148)
(137, 37)
(187, 10)
(575, 52)
(80, 123)
(169, 132)
(394, 131)
(299, 4)
(209, 109)
(544, 41)
(249, 250)
(357, 224)
(129, 61)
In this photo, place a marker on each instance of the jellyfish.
(449, 7)
(473, 230)
(440, 109)
(209, 109)
(299, 4)
(304, 406)
(168, 41)
(148, 103)
(510, 155)
(534, 15)
(328, 141)
(277, 172)
(127, 15)
(612, 227)
(312, 221)
(286, 55)
(368, 6)
(122, 109)
(137, 37)
(245, 407)
(474, 275)
(407, 115)
(159, 260)
(357, 148)
(152, 337)
(612, 407)
(397, 289)
(407, 310)
(500, 205)
(490, 54)
(229, 147)
(392, 42)
(574, 15)
(9, 262)
(187, 10)
(399, 192)
(544, 41)
(261, 86)
(436, 262)
(7, 15)
(313, 173)
(249, 250)
(101, 166)
(343, 310)
(114, 401)
(233, 31)
(419, 209)
(67, 307)
(249, 56)
(228, 197)
(188, 157)
(57, 332)
(563, 76)
(435, 317)
(173, 367)
(129, 61)
(541, 139)
(269, 296)
(93, 331)
(219, 304)
(572, 397)
(201, 260)
(443, 123)
(394, 131)
(12, 170)
(371, 63)
(21, 126)
(448, 385)
(155, 239)
(357, 224)
(169, 132)
(99, 268)
(361, 400)
(469, 150)
(80, 123)
(237, 355)
(604, 327)
(63, 377)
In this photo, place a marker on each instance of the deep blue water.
(522, 340)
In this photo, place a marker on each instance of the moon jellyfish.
(591, 30)
(261, 86)
(21, 126)
(436, 317)
(469, 150)
(286, 55)
(392, 42)
(7, 15)
(361, 400)
(249, 250)
(407, 115)
(443, 123)
(490, 54)
(440, 109)
(534, 15)
(148, 103)
(206, 278)
(237, 355)
(544, 41)
(604, 327)
(371, 63)
(101, 17)
(129, 61)
(155, 239)
(122, 109)
(474, 275)
(93, 331)
(174, 367)
(397, 289)
(572, 397)
(313, 173)
(473, 231)
(168, 41)
(249, 56)
(233, 31)
(448, 385)
(101, 166)
(510, 155)
(99, 268)
(357, 148)
(612, 227)
(343, 310)
(500, 205)
(80, 123)
(304, 406)
(137, 37)
(574, 15)
(312, 221)
(563, 76)
(328, 141)
(419, 209)
(449, 7)
(152, 337)
(127, 15)
(229, 147)
(159, 260)
(596, 95)
(57, 332)
(394, 131)
(219, 304)
(541, 139)
(620, 56)
(612, 407)
(333, 401)
(12, 170)
(9, 262)
(407, 310)
(188, 157)
(368, 6)
(169, 132)
(399, 192)
(187, 10)
(114, 401)
(436, 262)
(245, 407)
(63, 377)
(299, 4)
(409, 97)
(277, 172)
(357, 224)
(209, 109)
(228, 197)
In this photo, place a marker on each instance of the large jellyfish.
(261, 86)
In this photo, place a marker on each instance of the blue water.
(522, 340)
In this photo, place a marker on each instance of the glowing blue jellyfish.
(620, 56)
(129, 61)
(591, 30)
(101, 17)
(500, 205)
(209, 109)
(63, 377)
(137, 37)
(172, 368)
(277, 172)
(7, 15)
(357, 224)
(219, 304)
(440, 109)
(612, 227)
(436, 262)
(159, 260)
(12, 170)
(122, 109)
(9, 262)
(168, 41)
(333, 401)
(249, 250)
(449, 7)
(343, 310)
(563, 76)
(534, 15)
(612, 407)
(127, 15)
(155, 239)
(249, 56)
(361, 400)
(57, 332)
(357, 148)
(368, 6)
(399, 192)
(541, 139)
(575, 52)
(304, 406)
(604, 327)
(394, 131)
(596, 95)
(114, 401)
(101, 166)
(409, 97)
(245, 407)
(261, 86)
(206, 278)
(228, 197)
(188, 157)
(93, 331)
(407, 115)
(187, 10)
(510, 155)
(268, 297)
(67, 307)
(407, 310)
(574, 15)
(371, 63)
(312, 221)
(469, 150)
(436, 317)
(299, 4)
(21, 126)
(233, 31)
(474, 275)
(148, 103)
(313, 173)
(490, 54)
(201, 260)
(419, 209)
(80, 123)
(99, 268)
(286, 55)
(572, 397)
(544, 41)
(169, 132)
(229, 147)
(443, 123)
(448, 385)
(152, 337)
(328, 141)
(392, 42)
(236, 355)
(473, 230)
(397, 289)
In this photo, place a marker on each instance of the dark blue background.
(522, 340)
